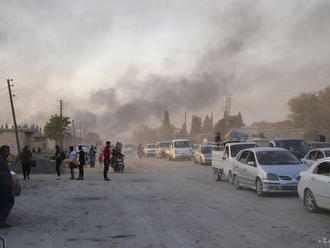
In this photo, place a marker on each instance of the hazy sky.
(117, 64)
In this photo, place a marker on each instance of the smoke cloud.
(118, 65)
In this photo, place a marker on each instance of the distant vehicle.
(161, 148)
(267, 170)
(128, 149)
(180, 149)
(84, 147)
(203, 155)
(149, 150)
(314, 186)
(298, 147)
(222, 161)
(316, 154)
(314, 145)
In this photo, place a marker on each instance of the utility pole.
(14, 116)
(61, 108)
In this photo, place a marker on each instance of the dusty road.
(158, 204)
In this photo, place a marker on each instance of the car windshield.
(235, 149)
(182, 144)
(276, 158)
(292, 145)
(320, 145)
(151, 146)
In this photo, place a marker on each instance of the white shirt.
(72, 155)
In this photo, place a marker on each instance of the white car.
(267, 170)
(180, 149)
(314, 186)
(150, 150)
(84, 147)
(222, 161)
(316, 154)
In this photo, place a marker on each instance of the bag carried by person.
(75, 162)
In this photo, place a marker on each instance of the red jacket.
(106, 154)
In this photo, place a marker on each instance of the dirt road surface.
(158, 203)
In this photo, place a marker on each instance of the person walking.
(58, 157)
(7, 200)
(92, 156)
(72, 159)
(106, 160)
(81, 163)
(26, 158)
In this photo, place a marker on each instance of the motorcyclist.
(116, 153)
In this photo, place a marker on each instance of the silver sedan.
(267, 170)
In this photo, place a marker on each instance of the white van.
(180, 149)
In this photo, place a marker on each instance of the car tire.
(230, 178)
(309, 202)
(236, 182)
(259, 188)
(217, 175)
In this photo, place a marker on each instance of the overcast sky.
(120, 63)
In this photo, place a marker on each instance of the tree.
(311, 112)
(56, 126)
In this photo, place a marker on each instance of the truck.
(222, 160)
(180, 149)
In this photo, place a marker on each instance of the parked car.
(267, 170)
(298, 147)
(314, 186)
(203, 155)
(222, 162)
(261, 142)
(16, 186)
(161, 148)
(316, 154)
(180, 149)
(149, 150)
(84, 147)
(314, 145)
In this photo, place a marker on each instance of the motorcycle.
(119, 164)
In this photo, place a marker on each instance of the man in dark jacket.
(82, 162)
(6, 194)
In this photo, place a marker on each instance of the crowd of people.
(78, 158)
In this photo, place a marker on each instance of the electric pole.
(14, 116)
(61, 108)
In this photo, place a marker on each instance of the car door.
(320, 184)
(240, 165)
(251, 170)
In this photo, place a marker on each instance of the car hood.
(285, 170)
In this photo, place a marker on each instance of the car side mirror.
(251, 163)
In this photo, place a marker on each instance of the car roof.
(180, 140)
(241, 143)
(320, 149)
(266, 149)
(279, 139)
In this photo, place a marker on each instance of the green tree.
(56, 126)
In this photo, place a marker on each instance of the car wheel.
(259, 188)
(309, 202)
(236, 182)
(217, 175)
(230, 178)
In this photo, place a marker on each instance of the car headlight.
(272, 177)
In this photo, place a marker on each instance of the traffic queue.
(266, 166)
